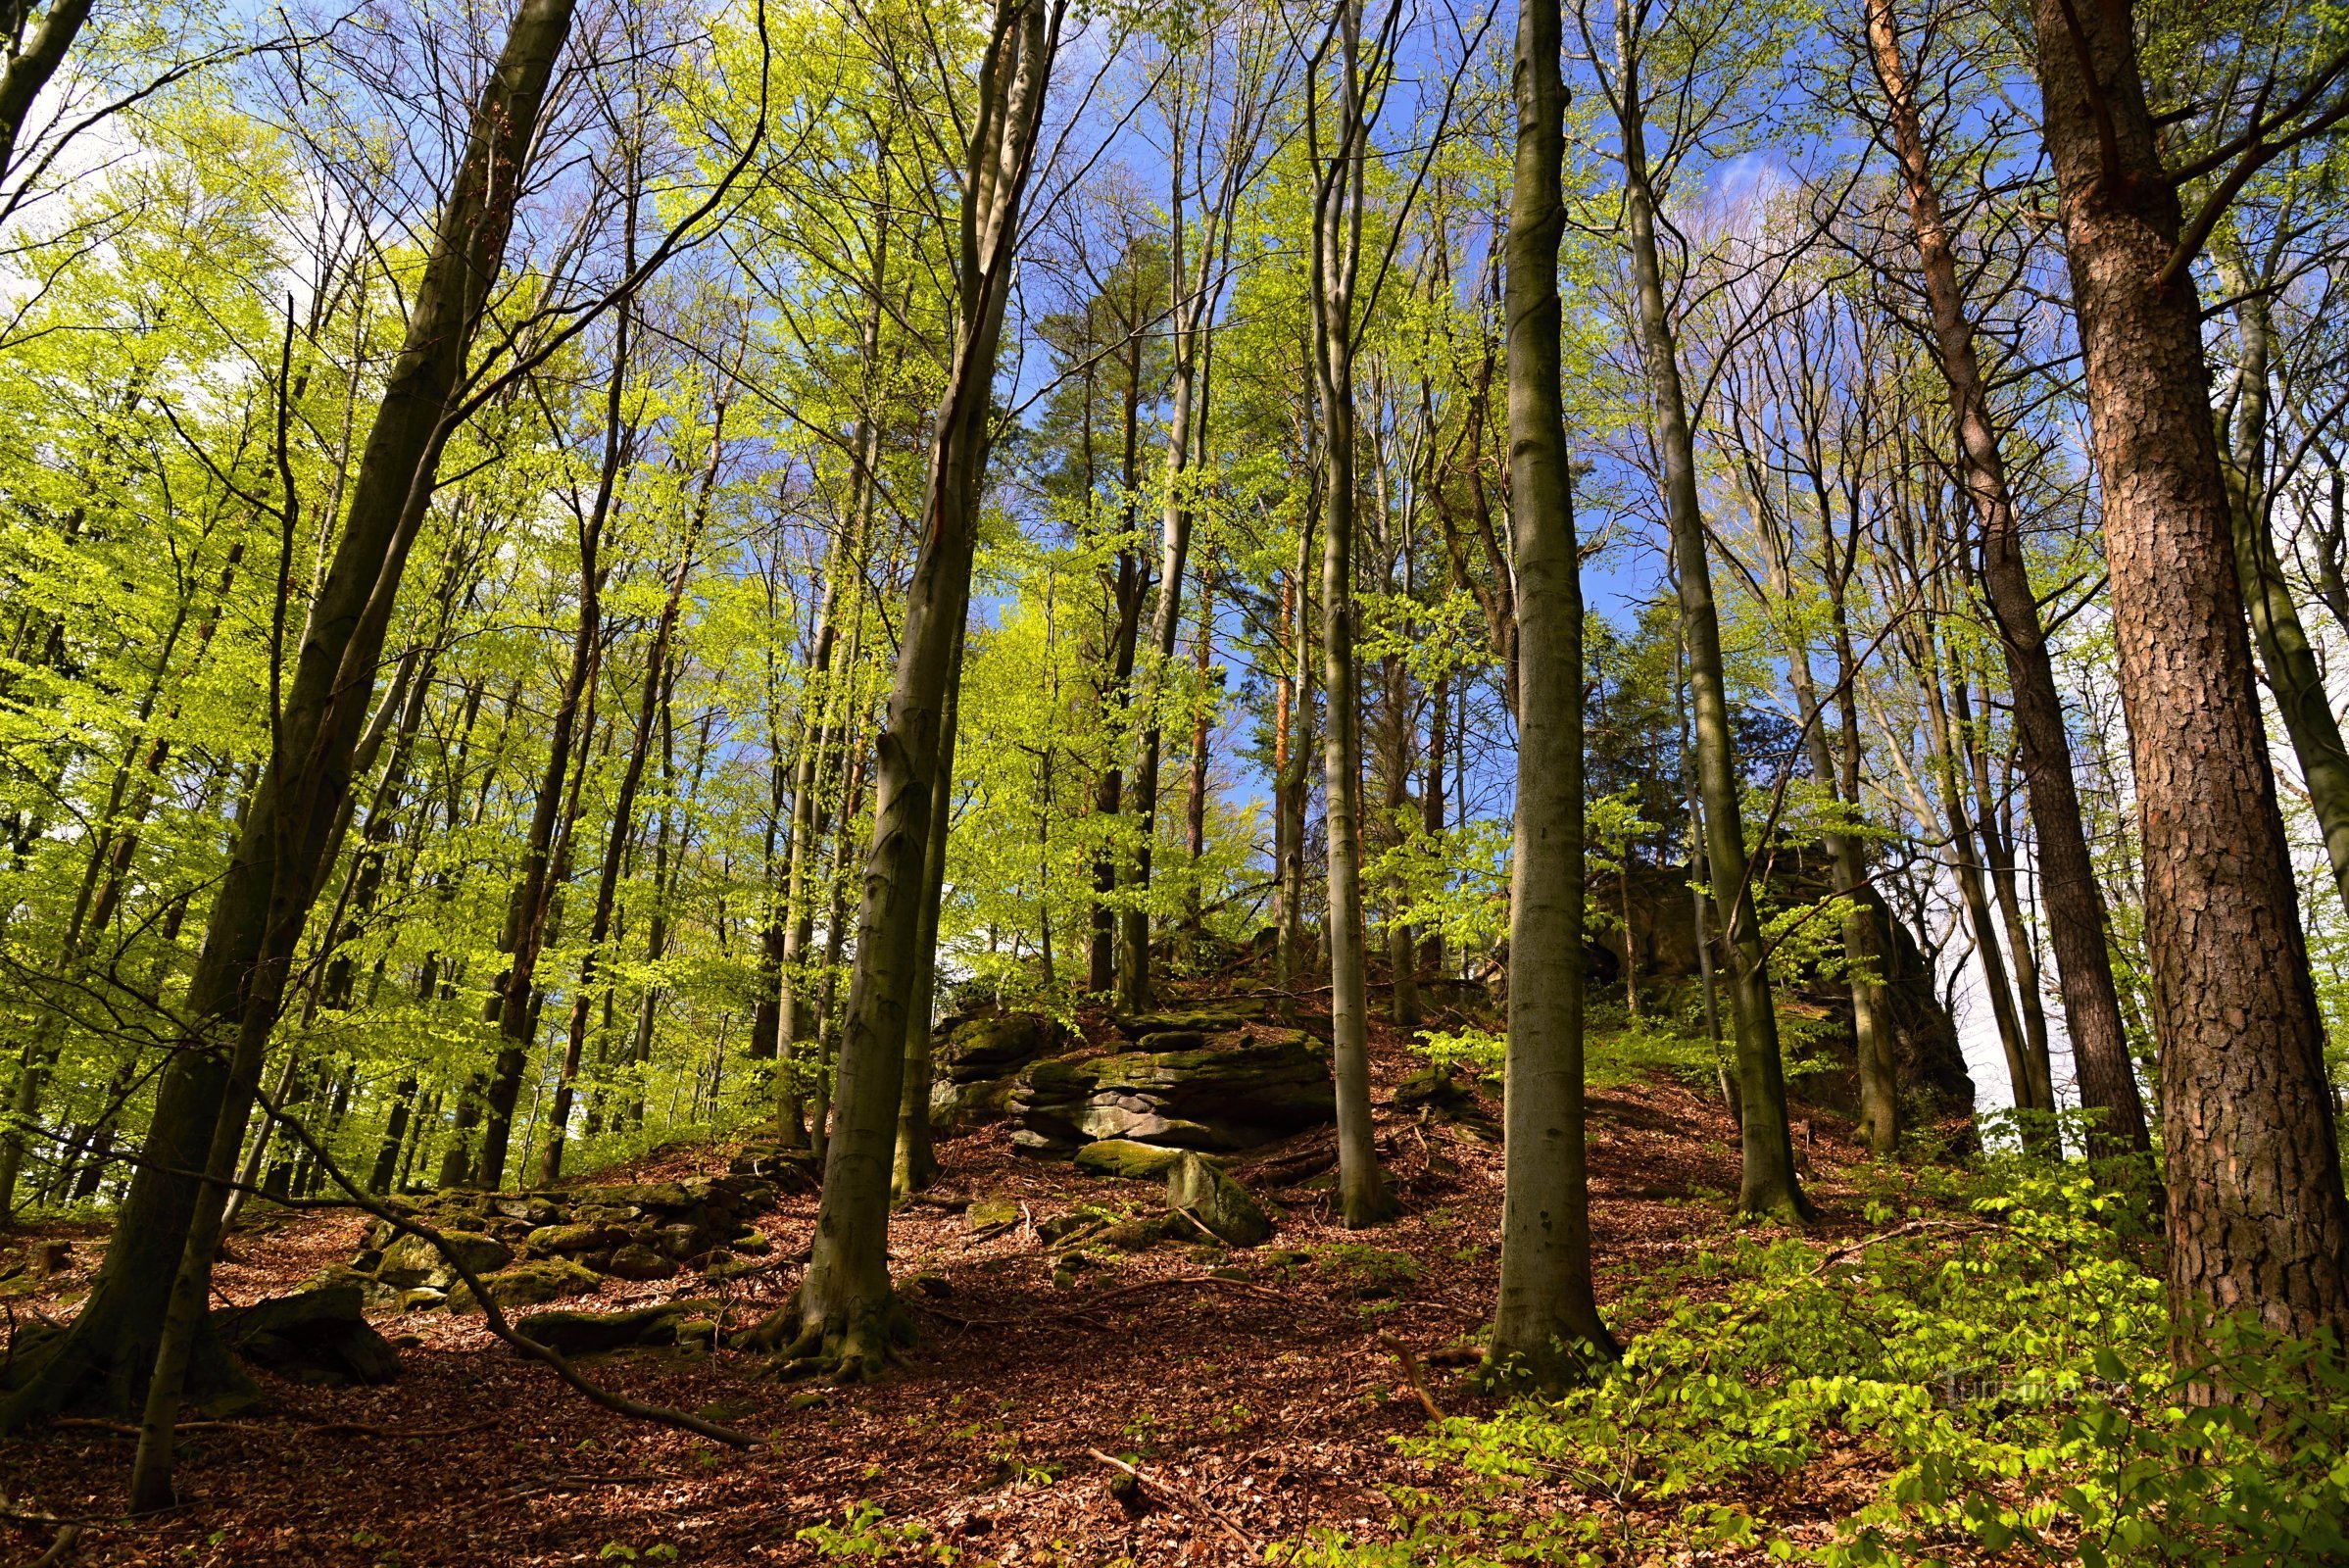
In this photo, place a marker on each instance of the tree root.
(859, 1347)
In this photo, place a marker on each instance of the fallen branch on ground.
(492, 1314)
(1187, 1501)
(1419, 1383)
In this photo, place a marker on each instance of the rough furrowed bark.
(1547, 1326)
(2256, 1215)
(266, 891)
(2074, 903)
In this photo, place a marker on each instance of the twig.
(1180, 1498)
(1419, 1383)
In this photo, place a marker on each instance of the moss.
(1125, 1157)
(527, 1283)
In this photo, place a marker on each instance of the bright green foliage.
(2001, 1370)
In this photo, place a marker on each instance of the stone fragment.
(1215, 1198)
(319, 1336)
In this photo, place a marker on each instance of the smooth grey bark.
(2285, 652)
(1546, 1326)
(1768, 1185)
(916, 1162)
(623, 810)
(30, 65)
(843, 1317)
(1363, 1196)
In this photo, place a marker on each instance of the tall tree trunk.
(843, 1314)
(2285, 652)
(1363, 1199)
(916, 1161)
(2068, 890)
(623, 808)
(265, 893)
(527, 923)
(29, 69)
(1546, 1326)
(2257, 1218)
(1768, 1185)
(1290, 790)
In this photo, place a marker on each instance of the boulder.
(1236, 1096)
(1213, 1197)
(1123, 1156)
(528, 1284)
(577, 1333)
(574, 1239)
(967, 1050)
(991, 1214)
(956, 1106)
(1225, 1015)
(412, 1260)
(637, 1261)
(319, 1336)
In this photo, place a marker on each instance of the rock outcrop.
(1201, 1080)
(317, 1336)
(534, 1247)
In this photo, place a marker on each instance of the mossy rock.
(1136, 1235)
(1219, 1017)
(577, 1333)
(1124, 1157)
(528, 1284)
(572, 1239)
(969, 1049)
(1213, 1197)
(637, 1261)
(414, 1261)
(991, 1214)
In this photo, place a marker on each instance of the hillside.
(1254, 1391)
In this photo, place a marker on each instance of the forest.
(1339, 783)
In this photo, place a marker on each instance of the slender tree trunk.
(623, 808)
(266, 893)
(917, 1163)
(1769, 1186)
(843, 1312)
(2074, 903)
(1546, 1326)
(2285, 652)
(29, 69)
(2256, 1214)
(1363, 1199)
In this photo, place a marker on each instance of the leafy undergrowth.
(1984, 1379)
(1936, 1361)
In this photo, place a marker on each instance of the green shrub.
(2000, 1370)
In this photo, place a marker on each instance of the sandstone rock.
(528, 1284)
(1211, 1195)
(1234, 1096)
(1223, 1015)
(412, 1260)
(572, 1239)
(991, 1214)
(637, 1261)
(1123, 1156)
(577, 1333)
(319, 1336)
(991, 1045)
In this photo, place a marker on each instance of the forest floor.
(1257, 1409)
